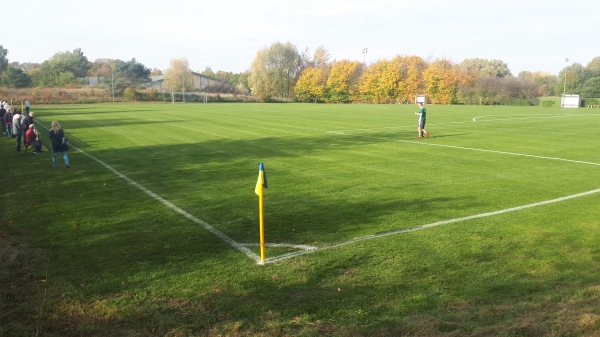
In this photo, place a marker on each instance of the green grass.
(85, 252)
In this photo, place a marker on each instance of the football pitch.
(499, 206)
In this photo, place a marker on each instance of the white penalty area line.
(465, 148)
(476, 119)
(434, 224)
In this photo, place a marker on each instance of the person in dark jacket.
(59, 144)
(2, 113)
(8, 116)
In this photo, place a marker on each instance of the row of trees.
(72, 69)
(473, 81)
(68, 68)
(280, 71)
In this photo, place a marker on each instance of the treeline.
(281, 73)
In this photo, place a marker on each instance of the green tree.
(63, 68)
(274, 71)
(241, 82)
(178, 77)
(591, 88)
(208, 72)
(310, 87)
(131, 74)
(238, 81)
(3, 59)
(593, 67)
(570, 79)
(15, 77)
(484, 68)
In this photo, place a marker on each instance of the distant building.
(200, 83)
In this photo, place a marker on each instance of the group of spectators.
(22, 127)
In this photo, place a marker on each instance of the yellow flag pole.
(261, 215)
(261, 183)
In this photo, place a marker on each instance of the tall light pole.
(112, 83)
(565, 83)
(364, 51)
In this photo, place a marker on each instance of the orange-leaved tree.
(413, 82)
(342, 84)
(442, 80)
(310, 87)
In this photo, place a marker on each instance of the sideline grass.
(97, 256)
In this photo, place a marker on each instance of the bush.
(40, 95)
(520, 102)
(130, 94)
(548, 104)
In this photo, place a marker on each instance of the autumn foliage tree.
(343, 81)
(380, 82)
(274, 71)
(442, 80)
(397, 80)
(178, 77)
(311, 85)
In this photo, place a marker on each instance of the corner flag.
(261, 184)
(262, 180)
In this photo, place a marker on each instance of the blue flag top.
(262, 179)
(261, 167)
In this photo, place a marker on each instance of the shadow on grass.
(119, 263)
(214, 180)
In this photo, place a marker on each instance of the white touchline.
(239, 246)
(305, 249)
(476, 119)
(435, 224)
(177, 209)
(466, 148)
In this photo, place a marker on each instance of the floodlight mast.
(112, 83)
(364, 51)
(565, 82)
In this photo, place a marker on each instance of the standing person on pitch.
(421, 124)
(59, 144)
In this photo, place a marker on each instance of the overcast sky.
(531, 35)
